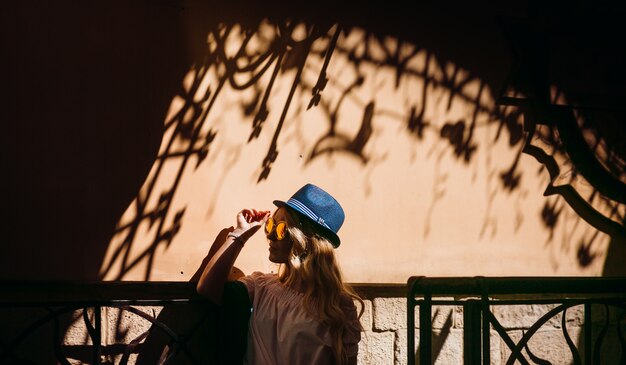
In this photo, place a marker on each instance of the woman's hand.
(220, 266)
(249, 221)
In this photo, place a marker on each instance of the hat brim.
(327, 232)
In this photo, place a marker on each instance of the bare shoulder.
(235, 274)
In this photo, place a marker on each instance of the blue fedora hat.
(318, 206)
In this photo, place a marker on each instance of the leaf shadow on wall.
(284, 56)
(189, 126)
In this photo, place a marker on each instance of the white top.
(282, 332)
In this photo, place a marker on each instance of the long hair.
(313, 267)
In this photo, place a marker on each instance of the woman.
(305, 314)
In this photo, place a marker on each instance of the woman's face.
(280, 251)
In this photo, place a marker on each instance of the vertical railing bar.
(471, 333)
(410, 333)
(468, 339)
(426, 330)
(411, 304)
(486, 326)
(486, 332)
(587, 341)
(97, 340)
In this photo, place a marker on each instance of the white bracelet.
(236, 238)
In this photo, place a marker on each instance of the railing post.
(471, 333)
(426, 330)
(486, 331)
(410, 330)
(97, 339)
(486, 326)
(410, 312)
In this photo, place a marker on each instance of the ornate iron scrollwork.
(583, 147)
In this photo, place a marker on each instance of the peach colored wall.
(413, 205)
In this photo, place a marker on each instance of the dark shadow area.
(86, 88)
(17, 347)
(566, 81)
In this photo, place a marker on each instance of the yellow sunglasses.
(273, 226)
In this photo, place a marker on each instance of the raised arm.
(215, 274)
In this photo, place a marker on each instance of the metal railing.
(58, 299)
(478, 295)
(184, 325)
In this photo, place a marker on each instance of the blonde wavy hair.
(314, 268)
